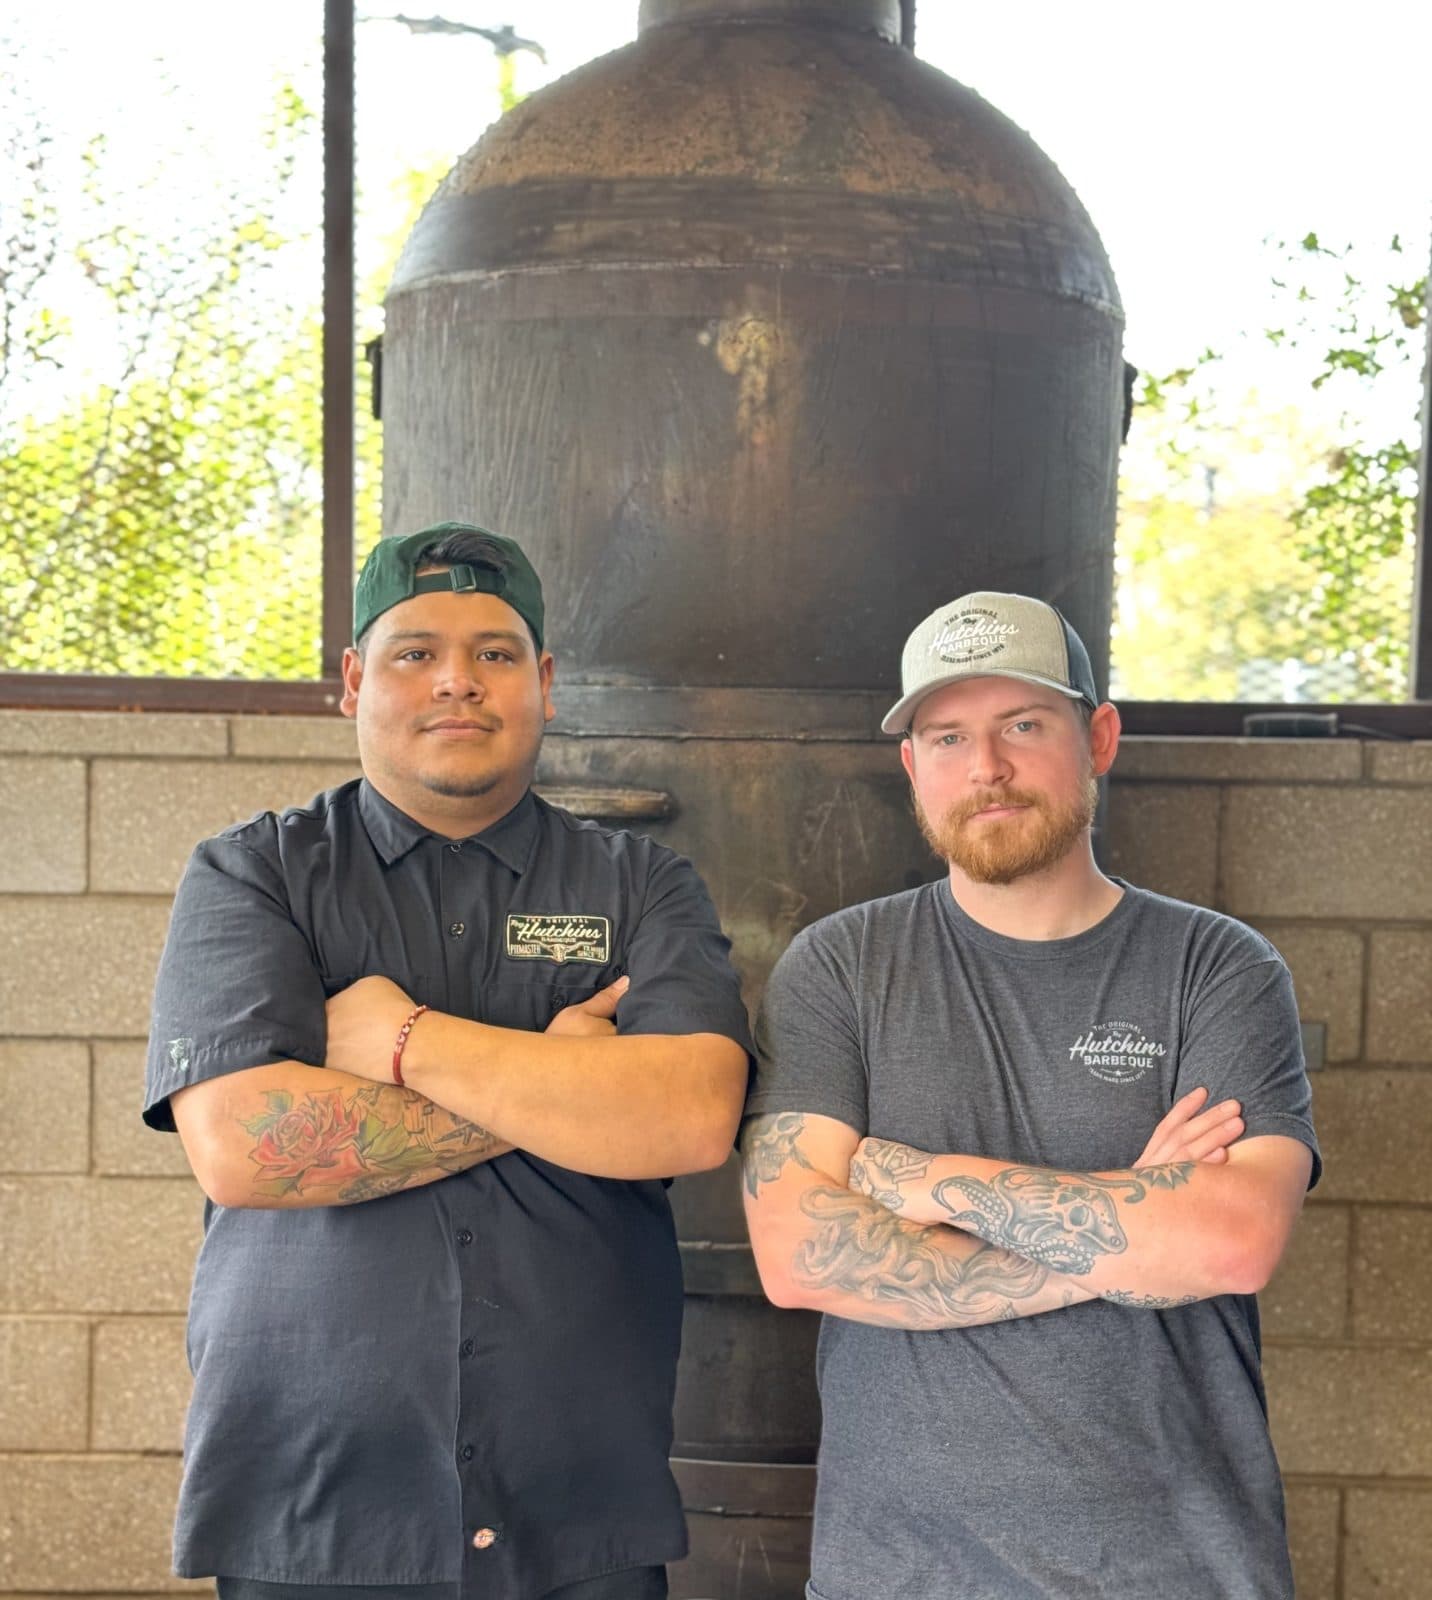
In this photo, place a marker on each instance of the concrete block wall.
(1325, 847)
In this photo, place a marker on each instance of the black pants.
(635, 1583)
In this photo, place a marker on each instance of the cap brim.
(897, 718)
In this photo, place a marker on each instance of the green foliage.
(1241, 578)
(165, 518)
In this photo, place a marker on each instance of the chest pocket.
(528, 994)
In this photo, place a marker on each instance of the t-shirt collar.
(394, 833)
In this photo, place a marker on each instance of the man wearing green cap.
(431, 1046)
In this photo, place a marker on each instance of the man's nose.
(988, 761)
(457, 679)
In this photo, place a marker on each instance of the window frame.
(1409, 719)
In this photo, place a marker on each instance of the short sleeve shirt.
(376, 1382)
(1097, 1451)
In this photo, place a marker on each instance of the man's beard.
(1000, 851)
(458, 788)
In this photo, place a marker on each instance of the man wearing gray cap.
(1039, 1365)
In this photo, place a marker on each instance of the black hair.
(462, 546)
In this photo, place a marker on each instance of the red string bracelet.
(402, 1039)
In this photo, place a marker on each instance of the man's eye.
(1027, 726)
(948, 739)
(415, 654)
(494, 655)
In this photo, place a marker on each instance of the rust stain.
(752, 351)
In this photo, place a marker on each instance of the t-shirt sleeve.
(1242, 1041)
(809, 1055)
(679, 961)
(237, 985)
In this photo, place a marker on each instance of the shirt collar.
(394, 833)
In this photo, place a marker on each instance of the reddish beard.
(1001, 849)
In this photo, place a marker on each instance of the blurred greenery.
(1266, 554)
(166, 518)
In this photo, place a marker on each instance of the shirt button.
(466, 1348)
(484, 1538)
(464, 1235)
(457, 929)
(466, 1453)
(456, 849)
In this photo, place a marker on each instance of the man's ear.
(907, 757)
(1104, 731)
(546, 670)
(352, 677)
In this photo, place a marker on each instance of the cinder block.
(123, 1145)
(141, 1384)
(1373, 1128)
(1354, 850)
(44, 1384)
(1308, 1295)
(1339, 1410)
(1313, 1512)
(1401, 763)
(113, 733)
(45, 1085)
(1399, 995)
(146, 816)
(332, 737)
(1165, 837)
(1391, 1286)
(1387, 1550)
(1326, 964)
(95, 1524)
(78, 967)
(1226, 760)
(42, 821)
(98, 1244)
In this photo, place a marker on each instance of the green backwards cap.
(496, 566)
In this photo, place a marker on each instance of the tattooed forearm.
(1067, 1220)
(910, 1277)
(340, 1146)
(885, 1166)
(768, 1145)
(1148, 1302)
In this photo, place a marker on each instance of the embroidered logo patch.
(1117, 1052)
(559, 936)
(971, 635)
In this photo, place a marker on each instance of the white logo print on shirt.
(1117, 1052)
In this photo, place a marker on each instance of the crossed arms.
(882, 1233)
(286, 1134)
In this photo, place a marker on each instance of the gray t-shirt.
(1093, 1453)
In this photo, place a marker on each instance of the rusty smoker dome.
(763, 336)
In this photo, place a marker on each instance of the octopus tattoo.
(1064, 1220)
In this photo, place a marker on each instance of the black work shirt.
(375, 1384)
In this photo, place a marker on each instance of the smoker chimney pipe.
(881, 17)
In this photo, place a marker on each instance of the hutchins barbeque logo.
(559, 936)
(1117, 1052)
(971, 636)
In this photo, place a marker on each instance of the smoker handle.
(609, 804)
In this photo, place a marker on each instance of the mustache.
(962, 810)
